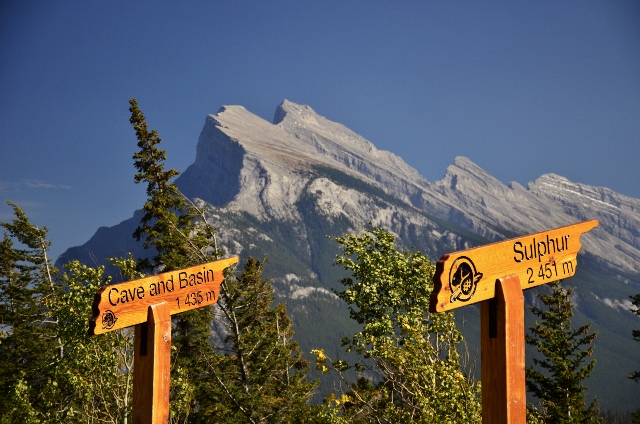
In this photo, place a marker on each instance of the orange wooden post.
(148, 303)
(478, 275)
(151, 362)
(504, 395)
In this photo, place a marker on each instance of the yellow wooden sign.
(469, 276)
(122, 305)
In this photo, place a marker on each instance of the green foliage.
(409, 357)
(169, 223)
(615, 352)
(30, 342)
(52, 371)
(260, 377)
(98, 371)
(176, 230)
(557, 382)
(17, 405)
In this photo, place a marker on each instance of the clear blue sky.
(521, 88)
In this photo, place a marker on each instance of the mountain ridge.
(279, 188)
(300, 138)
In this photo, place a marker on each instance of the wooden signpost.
(495, 275)
(148, 303)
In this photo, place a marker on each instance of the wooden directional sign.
(122, 305)
(495, 275)
(469, 276)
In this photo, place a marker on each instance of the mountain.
(278, 189)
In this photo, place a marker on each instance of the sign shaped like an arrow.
(122, 305)
(469, 276)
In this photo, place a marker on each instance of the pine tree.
(176, 231)
(29, 341)
(260, 375)
(262, 372)
(50, 369)
(169, 223)
(557, 379)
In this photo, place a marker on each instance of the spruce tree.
(557, 378)
(30, 345)
(171, 226)
(50, 369)
(259, 377)
(176, 232)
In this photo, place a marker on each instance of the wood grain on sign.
(123, 305)
(469, 276)
(504, 395)
(151, 367)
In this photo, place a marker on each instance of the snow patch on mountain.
(617, 304)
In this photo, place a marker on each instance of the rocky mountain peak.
(278, 188)
(301, 112)
(344, 148)
(464, 175)
(302, 120)
(246, 163)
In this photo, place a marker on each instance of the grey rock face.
(248, 164)
(278, 189)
